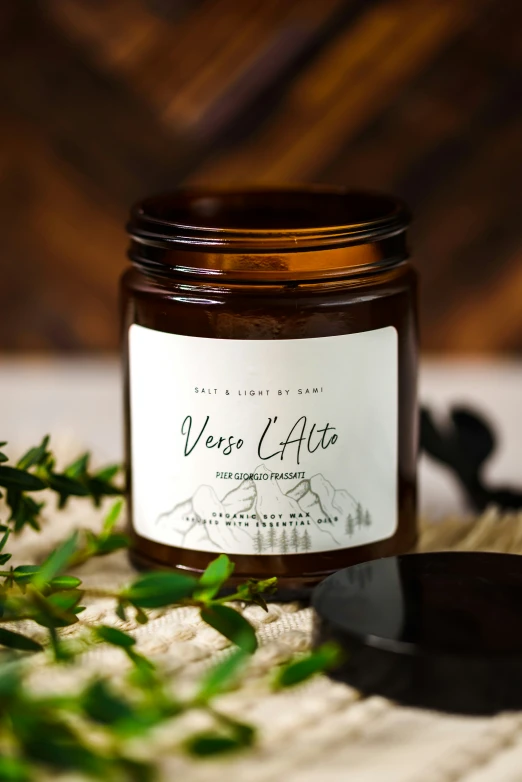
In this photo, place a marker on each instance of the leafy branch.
(92, 730)
(36, 471)
(48, 596)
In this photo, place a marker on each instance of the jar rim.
(266, 219)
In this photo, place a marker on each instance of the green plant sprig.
(36, 471)
(50, 732)
(50, 597)
(93, 730)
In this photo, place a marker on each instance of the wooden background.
(103, 101)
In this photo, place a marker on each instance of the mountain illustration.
(192, 523)
(270, 498)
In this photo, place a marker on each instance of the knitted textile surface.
(319, 731)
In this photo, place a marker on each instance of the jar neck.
(265, 267)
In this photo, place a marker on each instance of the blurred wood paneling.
(102, 101)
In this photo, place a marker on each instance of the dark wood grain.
(104, 101)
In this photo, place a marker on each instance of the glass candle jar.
(270, 348)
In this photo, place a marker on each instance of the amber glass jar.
(270, 348)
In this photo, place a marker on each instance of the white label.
(264, 446)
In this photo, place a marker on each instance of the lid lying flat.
(441, 631)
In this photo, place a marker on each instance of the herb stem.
(229, 598)
(99, 592)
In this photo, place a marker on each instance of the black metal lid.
(440, 631)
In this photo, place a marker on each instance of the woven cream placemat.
(322, 730)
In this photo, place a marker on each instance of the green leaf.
(254, 590)
(232, 625)
(24, 573)
(217, 572)
(209, 743)
(34, 455)
(112, 635)
(219, 678)
(17, 641)
(78, 468)
(48, 613)
(64, 753)
(3, 458)
(99, 489)
(144, 666)
(104, 706)
(76, 481)
(298, 671)
(4, 539)
(14, 770)
(66, 487)
(90, 545)
(136, 771)
(66, 600)
(245, 733)
(5, 558)
(155, 590)
(141, 616)
(65, 582)
(24, 510)
(113, 542)
(62, 652)
(13, 478)
(111, 519)
(107, 473)
(27, 569)
(56, 562)
(10, 682)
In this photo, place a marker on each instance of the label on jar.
(264, 446)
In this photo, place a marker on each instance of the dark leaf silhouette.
(464, 447)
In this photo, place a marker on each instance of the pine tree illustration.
(294, 540)
(350, 525)
(359, 515)
(271, 538)
(259, 542)
(306, 541)
(283, 542)
(367, 519)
